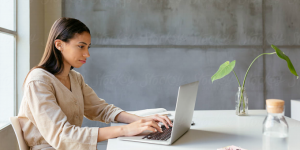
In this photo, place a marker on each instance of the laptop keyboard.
(165, 135)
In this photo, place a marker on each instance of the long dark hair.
(63, 29)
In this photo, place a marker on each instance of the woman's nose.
(86, 54)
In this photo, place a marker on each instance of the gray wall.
(142, 50)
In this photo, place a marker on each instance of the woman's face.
(75, 52)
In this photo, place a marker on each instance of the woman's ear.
(58, 44)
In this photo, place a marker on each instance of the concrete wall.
(142, 50)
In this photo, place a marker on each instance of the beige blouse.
(51, 115)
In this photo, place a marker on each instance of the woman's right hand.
(139, 126)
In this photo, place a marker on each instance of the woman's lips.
(82, 61)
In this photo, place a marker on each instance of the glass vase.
(241, 102)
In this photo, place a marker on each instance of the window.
(7, 60)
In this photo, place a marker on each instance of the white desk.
(216, 129)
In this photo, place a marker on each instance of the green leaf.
(224, 70)
(281, 55)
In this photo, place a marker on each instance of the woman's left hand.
(159, 118)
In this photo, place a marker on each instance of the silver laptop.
(184, 110)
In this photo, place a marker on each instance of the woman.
(56, 98)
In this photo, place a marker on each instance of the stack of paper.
(148, 112)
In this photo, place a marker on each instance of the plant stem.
(242, 88)
(237, 78)
(241, 97)
(251, 65)
(243, 101)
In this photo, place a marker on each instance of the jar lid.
(275, 105)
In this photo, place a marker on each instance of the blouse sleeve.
(51, 121)
(96, 108)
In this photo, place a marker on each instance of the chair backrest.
(19, 134)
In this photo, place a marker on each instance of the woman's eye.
(83, 46)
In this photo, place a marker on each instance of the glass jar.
(241, 102)
(275, 127)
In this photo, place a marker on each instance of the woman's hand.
(160, 118)
(146, 123)
(139, 126)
